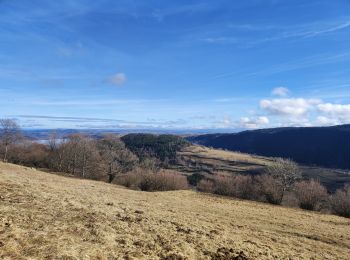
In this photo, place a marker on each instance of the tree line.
(86, 157)
(162, 147)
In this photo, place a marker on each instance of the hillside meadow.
(46, 216)
(209, 161)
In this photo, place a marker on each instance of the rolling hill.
(207, 161)
(321, 146)
(46, 216)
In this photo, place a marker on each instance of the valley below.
(209, 161)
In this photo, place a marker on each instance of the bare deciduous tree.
(117, 157)
(285, 170)
(76, 154)
(89, 161)
(81, 156)
(57, 151)
(279, 176)
(9, 134)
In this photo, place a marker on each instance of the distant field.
(45, 216)
(201, 159)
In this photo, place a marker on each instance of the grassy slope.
(46, 216)
(214, 160)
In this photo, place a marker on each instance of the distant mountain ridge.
(323, 146)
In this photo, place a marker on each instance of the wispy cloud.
(100, 123)
(161, 13)
(68, 51)
(306, 31)
(99, 102)
(117, 79)
(223, 40)
(298, 64)
(69, 118)
(307, 62)
(256, 34)
(280, 91)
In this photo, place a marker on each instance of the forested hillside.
(322, 146)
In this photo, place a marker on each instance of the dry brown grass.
(196, 158)
(44, 216)
(224, 155)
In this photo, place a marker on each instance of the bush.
(240, 186)
(270, 188)
(206, 186)
(29, 154)
(164, 180)
(340, 202)
(195, 178)
(310, 193)
(223, 185)
(244, 187)
(132, 179)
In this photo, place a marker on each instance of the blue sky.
(175, 64)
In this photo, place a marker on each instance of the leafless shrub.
(310, 193)
(29, 154)
(164, 180)
(271, 189)
(240, 186)
(130, 180)
(223, 185)
(340, 202)
(244, 187)
(206, 186)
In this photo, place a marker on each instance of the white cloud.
(225, 122)
(253, 123)
(117, 79)
(244, 122)
(280, 91)
(336, 112)
(334, 108)
(223, 40)
(295, 107)
(326, 121)
(71, 50)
